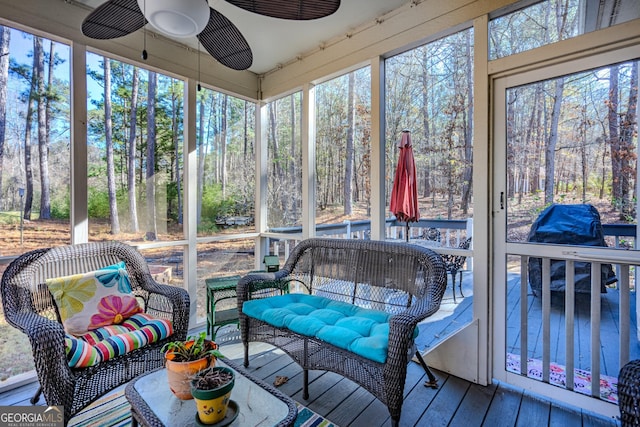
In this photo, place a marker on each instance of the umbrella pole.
(406, 236)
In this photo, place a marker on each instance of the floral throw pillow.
(94, 299)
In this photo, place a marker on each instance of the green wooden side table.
(224, 288)
(218, 290)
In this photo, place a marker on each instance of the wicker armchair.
(29, 306)
(406, 281)
(629, 394)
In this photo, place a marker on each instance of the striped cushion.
(79, 353)
(111, 341)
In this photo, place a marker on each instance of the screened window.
(343, 149)
(284, 164)
(135, 155)
(34, 160)
(550, 21)
(226, 163)
(573, 140)
(429, 92)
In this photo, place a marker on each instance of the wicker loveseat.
(30, 306)
(346, 306)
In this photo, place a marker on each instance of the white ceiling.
(278, 41)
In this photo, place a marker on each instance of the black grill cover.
(573, 225)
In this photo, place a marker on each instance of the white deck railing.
(624, 261)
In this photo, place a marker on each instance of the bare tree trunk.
(603, 171)
(614, 139)
(279, 177)
(292, 157)
(529, 166)
(43, 147)
(245, 133)
(152, 229)
(223, 147)
(426, 122)
(348, 170)
(131, 158)
(108, 135)
(28, 200)
(534, 181)
(450, 127)
(583, 154)
(176, 145)
(550, 149)
(627, 129)
(201, 158)
(47, 96)
(511, 163)
(467, 175)
(5, 37)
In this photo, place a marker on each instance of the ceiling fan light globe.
(176, 18)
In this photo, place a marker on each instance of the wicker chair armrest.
(47, 341)
(31, 323)
(402, 326)
(177, 298)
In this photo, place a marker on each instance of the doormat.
(113, 410)
(581, 378)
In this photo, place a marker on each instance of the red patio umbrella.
(404, 195)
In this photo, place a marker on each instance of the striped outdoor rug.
(113, 410)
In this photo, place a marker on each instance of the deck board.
(504, 407)
(474, 406)
(446, 402)
(533, 411)
(562, 417)
(374, 415)
(350, 408)
(418, 393)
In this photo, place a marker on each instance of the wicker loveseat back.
(29, 306)
(405, 281)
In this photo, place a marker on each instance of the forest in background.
(570, 139)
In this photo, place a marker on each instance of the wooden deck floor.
(455, 402)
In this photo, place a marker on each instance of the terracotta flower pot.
(180, 375)
(212, 403)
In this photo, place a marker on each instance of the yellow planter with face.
(212, 404)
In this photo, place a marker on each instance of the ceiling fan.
(188, 18)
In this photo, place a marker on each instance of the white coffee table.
(259, 404)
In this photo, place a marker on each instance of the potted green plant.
(211, 389)
(185, 358)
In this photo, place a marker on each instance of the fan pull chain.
(199, 86)
(144, 31)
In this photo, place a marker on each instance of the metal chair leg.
(433, 381)
(34, 399)
(453, 284)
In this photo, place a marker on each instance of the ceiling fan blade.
(299, 10)
(225, 43)
(113, 19)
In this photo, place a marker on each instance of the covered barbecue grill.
(571, 225)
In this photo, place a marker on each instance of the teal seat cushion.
(362, 331)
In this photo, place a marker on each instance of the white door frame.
(501, 246)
